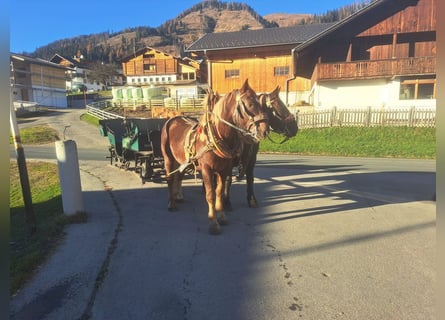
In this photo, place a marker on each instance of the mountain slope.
(176, 34)
(172, 36)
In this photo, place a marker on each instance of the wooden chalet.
(382, 56)
(151, 67)
(263, 56)
(37, 81)
(79, 76)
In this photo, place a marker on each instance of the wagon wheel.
(112, 155)
(146, 170)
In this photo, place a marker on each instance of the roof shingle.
(258, 38)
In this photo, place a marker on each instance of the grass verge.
(36, 135)
(397, 142)
(27, 250)
(89, 119)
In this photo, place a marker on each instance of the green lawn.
(399, 142)
(28, 250)
(37, 135)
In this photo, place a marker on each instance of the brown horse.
(210, 144)
(281, 121)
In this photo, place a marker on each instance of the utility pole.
(21, 163)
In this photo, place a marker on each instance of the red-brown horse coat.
(240, 108)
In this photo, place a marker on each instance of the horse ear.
(245, 86)
(276, 91)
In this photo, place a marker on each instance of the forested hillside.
(176, 34)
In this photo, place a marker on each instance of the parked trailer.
(135, 144)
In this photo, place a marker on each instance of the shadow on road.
(166, 266)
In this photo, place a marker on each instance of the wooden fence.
(335, 117)
(172, 103)
(96, 109)
(369, 117)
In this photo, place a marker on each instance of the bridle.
(285, 120)
(247, 130)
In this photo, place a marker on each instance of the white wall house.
(377, 93)
(384, 55)
(37, 81)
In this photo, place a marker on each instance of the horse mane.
(214, 104)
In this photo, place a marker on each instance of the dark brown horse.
(210, 144)
(280, 121)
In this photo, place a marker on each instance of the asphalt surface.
(334, 238)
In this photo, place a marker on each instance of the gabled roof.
(257, 38)
(37, 61)
(356, 22)
(142, 51)
(73, 63)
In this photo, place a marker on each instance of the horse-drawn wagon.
(135, 144)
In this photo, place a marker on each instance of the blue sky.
(35, 23)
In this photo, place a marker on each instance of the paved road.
(334, 238)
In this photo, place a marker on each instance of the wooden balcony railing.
(376, 68)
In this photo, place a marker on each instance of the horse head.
(250, 114)
(281, 120)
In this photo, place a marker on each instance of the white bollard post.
(69, 175)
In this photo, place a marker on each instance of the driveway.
(334, 238)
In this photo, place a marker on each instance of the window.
(417, 89)
(149, 56)
(425, 91)
(187, 76)
(234, 73)
(149, 67)
(281, 71)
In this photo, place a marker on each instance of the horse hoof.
(253, 204)
(223, 221)
(228, 206)
(214, 229)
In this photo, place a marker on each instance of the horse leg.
(251, 200)
(226, 195)
(179, 196)
(171, 181)
(207, 177)
(219, 204)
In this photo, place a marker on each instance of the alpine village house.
(36, 81)
(148, 67)
(384, 55)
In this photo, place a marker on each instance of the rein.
(285, 121)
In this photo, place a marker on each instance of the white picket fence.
(335, 117)
(369, 117)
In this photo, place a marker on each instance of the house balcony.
(359, 70)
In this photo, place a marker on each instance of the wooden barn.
(382, 56)
(151, 67)
(263, 56)
(38, 81)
